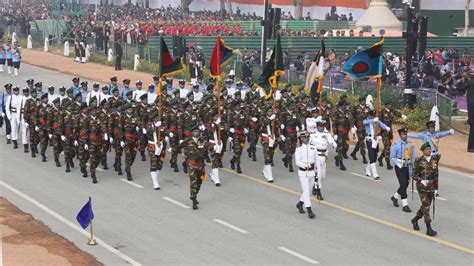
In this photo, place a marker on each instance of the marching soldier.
(75, 85)
(320, 140)
(156, 148)
(171, 120)
(81, 130)
(115, 100)
(41, 126)
(432, 136)
(341, 125)
(326, 111)
(142, 115)
(96, 129)
(188, 119)
(253, 112)
(129, 126)
(66, 130)
(359, 114)
(237, 127)
(290, 125)
(30, 113)
(402, 156)
(4, 107)
(214, 146)
(425, 173)
(13, 110)
(104, 116)
(54, 130)
(372, 142)
(305, 158)
(268, 141)
(387, 115)
(25, 132)
(116, 135)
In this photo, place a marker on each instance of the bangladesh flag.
(168, 65)
(272, 70)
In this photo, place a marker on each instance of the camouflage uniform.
(54, 117)
(96, 145)
(359, 114)
(142, 111)
(171, 121)
(30, 112)
(66, 126)
(129, 125)
(426, 170)
(341, 125)
(291, 121)
(253, 111)
(105, 117)
(117, 135)
(82, 137)
(237, 120)
(156, 161)
(387, 116)
(41, 122)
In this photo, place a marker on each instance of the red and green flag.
(220, 56)
(273, 70)
(168, 65)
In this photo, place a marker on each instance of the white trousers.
(25, 132)
(15, 124)
(321, 167)
(307, 183)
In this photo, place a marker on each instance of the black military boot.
(25, 147)
(394, 201)
(249, 152)
(104, 165)
(43, 156)
(208, 160)
(57, 163)
(94, 178)
(311, 215)
(232, 164)
(195, 204)
(115, 167)
(67, 168)
(84, 172)
(389, 166)
(33, 151)
(337, 162)
(185, 167)
(254, 157)
(380, 160)
(129, 175)
(319, 196)
(51, 143)
(344, 155)
(341, 165)
(9, 141)
(143, 156)
(285, 162)
(290, 167)
(414, 222)
(239, 171)
(299, 206)
(353, 155)
(406, 208)
(430, 231)
(119, 170)
(220, 163)
(15, 144)
(176, 169)
(364, 160)
(314, 191)
(71, 163)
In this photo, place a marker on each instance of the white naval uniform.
(102, 96)
(92, 94)
(137, 94)
(13, 109)
(51, 98)
(151, 96)
(198, 96)
(25, 133)
(320, 141)
(183, 92)
(305, 157)
(311, 123)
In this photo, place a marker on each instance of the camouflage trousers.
(83, 155)
(216, 158)
(130, 149)
(253, 138)
(342, 145)
(174, 153)
(360, 145)
(238, 142)
(95, 153)
(58, 146)
(387, 138)
(43, 140)
(267, 152)
(33, 137)
(106, 145)
(156, 161)
(68, 148)
(118, 153)
(142, 142)
(290, 146)
(196, 171)
(426, 197)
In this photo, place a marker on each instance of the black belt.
(307, 169)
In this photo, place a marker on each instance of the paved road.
(246, 220)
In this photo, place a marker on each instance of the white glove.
(297, 129)
(86, 147)
(231, 130)
(254, 119)
(230, 139)
(436, 192)
(144, 131)
(404, 117)
(181, 141)
(76, 143)
(122, 144)
(218, 148)
(3, 115)
(376, 119)
(106, 136)
(26, 124)
(170, 149)
(218, 121)
(111, 140)
(379, 138)
(388, 129)
(283, 138)
(354, 130)
(335, 138)
(282, 126)
(319, 118)
(167, 139)
(37, 128)
(159, 148)
(335, 146)
(424, 182)
(63, 138)
(202, 127)
(271, 142)
(171, 134)
(451, 131)
(158, 123)
(272, 117)
(51, 136)
(246, 131)
(137, 129)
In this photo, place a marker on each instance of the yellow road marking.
(357, 213)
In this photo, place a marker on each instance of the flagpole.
(92, 241)
(377, 102)
(320, 79)
(218, 83)
(160, 105)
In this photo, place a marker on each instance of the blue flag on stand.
(366, 63)
(85, 215)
